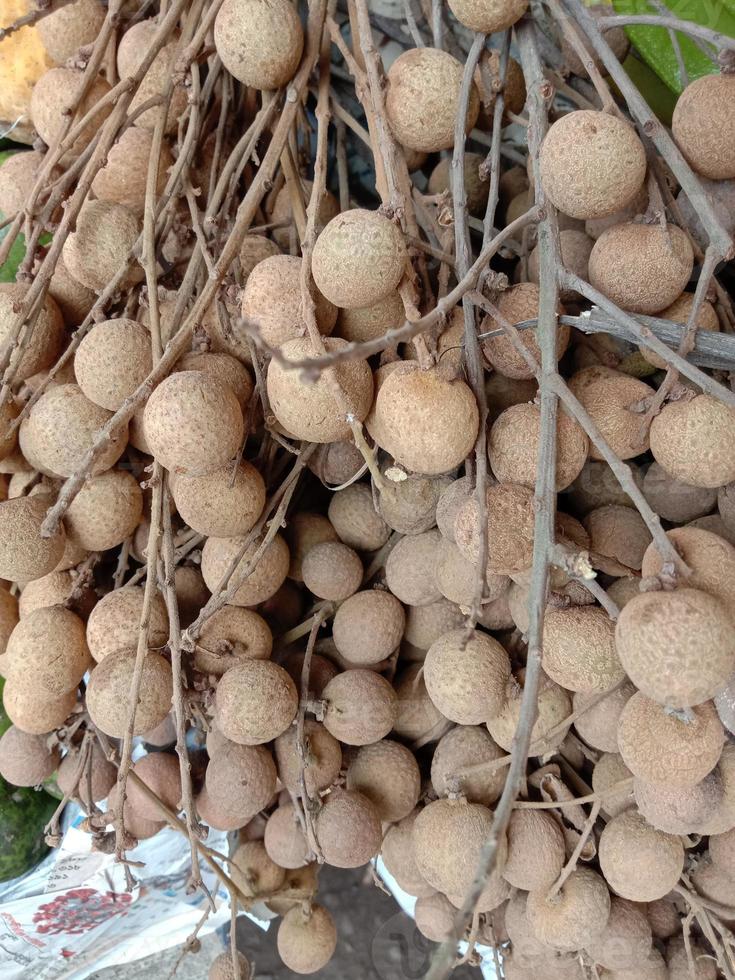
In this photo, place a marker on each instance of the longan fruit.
(641, 268)
(24, 554)
(221, 967)
(103, 776)
(554, 706)
(254, 249)
(73, 299)
(253, 871)
(679, 811)
(241, 779)
(510, 528)
(487, 18)
(467, 747)
(362, 323)
(598, 725)
(259, 42)
(425, 624)
(53, 94)
(388, 775)
(594, 227)
(105, 512)
(34, 711)
(675, 501)
(398, 856)
(282, 213)
(610, 398)
(639, 862)
(348, 829)
(409, 506)
(417, 715)
(225, 503)
(476, 185)
(448, 836)
(359, 258)
(467, 678)
(679, 312)
(99, 246)
(272, 301)
(132, 48)
(114, 623)
(46, 340)
(284, 840)
(123, 178)
(684, 436)
(112, 360)
(516, 304)
(660, 748)
(305, 530)
(434, 917)
(514, 441)
(704, 126)
(323, 758)
(575, 916)
(336, 463)
(597, 486)
(212, 814)
(65, 30)
(255, 702)
(514, 180)
(660, 637)
(18, 174)
(579, 649)
(361, 707)
(8, 442)
(450, 500)
(9, 615)
(576, 248)
(263, 581)
(678, 959)
(535, 850)
(456, 577)
(614, 36)
(161, 773)
(609, 770)
(229, 636)
(423, 86)
(427, 423)
(618, 539)
(61, 429)
(224, 367)
(26, 760)
(309, 409)
(332, 571)
(48, 649)
(306, 939)
(108, 693)
(193, 423)
(592, 164)
(626, 939)
(409, 570)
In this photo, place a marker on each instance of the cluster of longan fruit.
(393, 741)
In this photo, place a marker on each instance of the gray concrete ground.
(377, 941)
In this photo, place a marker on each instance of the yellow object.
(23, 60)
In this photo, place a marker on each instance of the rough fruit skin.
(160, 772)
(641, 268)
(105, 512)
(434, 917)
(416, 713)
(123, 178)
(467, 746)
(255, 702)
(427, 423)
(660, 748)
(608, 771)
(230, 635)
(626, 939)
(576, 916)
(368, 322)
(449, 503)
(676, 501)
(679, 811)
(33, 711)
(114, 622)
(409, 570)
(618, 539)
(409, 506)
(710, 558)
(131, 50)
(519, 303)
(448, 836)
(332, 571)
(679, 312)
(60, 430)
(592, 164)
(253, 871)
(488, 16)
(259, 41)
(108, 691)
(47, 339)
(359, 258)
(399, 858)
(222, 504)
(112, 360)
(348, 829)
(264, 580)
(284, 840)
(694, 441)
(639, 862)
(467, 680)
(476, 185)
(722, 851)
(608, 398)
(535, 850)
(104, 776)
(54, 92)
(660, 639)
(677, 959)
(554, 704)
(704, 126)
(271, 300)
(579, 649)
(422, 99)
(323, 759)
(598, 726)
(221, 967)
(514, 440)
(576, 247)
(241, 779)
(24, 554)
(309, 410)
(306, 943)
(254, 249)
(456, 577)
(26, 760)
(305, 530)
(368, 627)
(388, 775)
(361, 707)
(95, 251)
(193, 423)
(510, 528)
(48, 651)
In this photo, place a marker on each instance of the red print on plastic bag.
(79, 910)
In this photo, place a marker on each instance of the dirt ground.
(377, 941)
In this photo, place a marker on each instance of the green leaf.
(18, 249)
(654, 43)
(658, 95)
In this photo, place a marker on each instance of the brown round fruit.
(26, 760)
(516, 304)
(535, 850)
(24, 554)
(114, 623)
(388, 775)
(259, 42)
(108, 693)
(639, 862)
(704, 126)
(683, 435)
(361, 707)
(467, 678)
(225, 503)
(514, 442)
(113, 358)
(255, 702)
(348, 829)
(306, 940)
(229, 636)
(48, 651)
(46, 339)
(257, 584)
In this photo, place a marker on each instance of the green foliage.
(18, 250)
(654, 43)
(24, 814)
